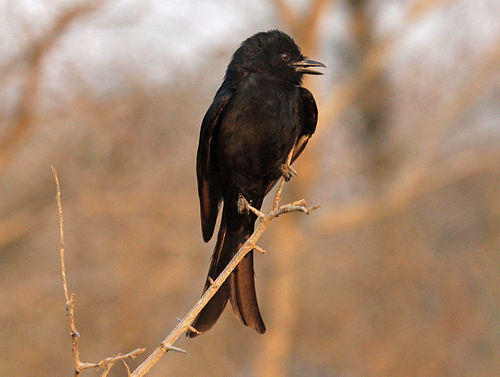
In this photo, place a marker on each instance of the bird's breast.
(259, 127)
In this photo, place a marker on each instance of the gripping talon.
(243, 205)
(287, 171)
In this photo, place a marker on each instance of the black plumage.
(258, 114)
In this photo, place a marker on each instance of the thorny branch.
(263, 220)
(107, 363)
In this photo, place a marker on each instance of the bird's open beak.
(304, 66)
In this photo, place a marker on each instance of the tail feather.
(240, 286)
(243, 297)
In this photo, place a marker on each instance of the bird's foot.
(243, 205)
(287, 171)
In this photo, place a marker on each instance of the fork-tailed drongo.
(258, 114)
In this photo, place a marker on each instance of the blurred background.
(398, 273)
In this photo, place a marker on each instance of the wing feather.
(309, 119)
(209, 190)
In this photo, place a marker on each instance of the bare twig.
(70, 303)
(70, 300)
(251, 244)
(126, 368)
(111, 360)
(107, 369)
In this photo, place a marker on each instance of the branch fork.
(104, 364)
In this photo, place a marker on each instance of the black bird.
(258, 114)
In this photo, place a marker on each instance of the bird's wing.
(209, 190)
(308, 119)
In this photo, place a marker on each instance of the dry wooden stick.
(108, 362)
(70, 303)
(263, 221)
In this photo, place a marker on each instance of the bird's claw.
(243, 205)
(287, 171)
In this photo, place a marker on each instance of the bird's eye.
(285, 57)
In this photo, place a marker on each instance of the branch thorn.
(260, 249)
(190, 328)
(173, 348)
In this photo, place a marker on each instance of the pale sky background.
(163, 40)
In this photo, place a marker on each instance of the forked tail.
(239, 288)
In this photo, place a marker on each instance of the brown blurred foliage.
(398, 273)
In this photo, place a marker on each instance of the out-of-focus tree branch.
(475, 85)
(371, 102)
(372, 64)
(374, 59)
(286, 14)
(420, 8)
(418, 175)
(303, 28)
(33, 56)
(405, 191)
(15, 226)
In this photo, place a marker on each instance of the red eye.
(285, 57)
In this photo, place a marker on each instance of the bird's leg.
(287, 171)
(245, 207)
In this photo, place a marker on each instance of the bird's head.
(273, 54)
